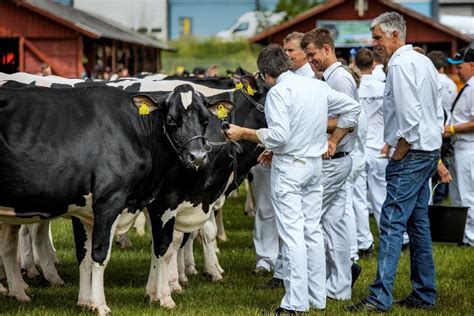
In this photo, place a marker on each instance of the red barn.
(33, 32)
(421, 30)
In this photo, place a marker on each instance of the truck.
(250, 24)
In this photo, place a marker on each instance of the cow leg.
(9, 246)
(26, 252)
(140, 224)
(221, 235)
(83, 242)
(3, 290)
(211, 264)
(173, 268)
(183, 279)
(103, 233)
(189, 263)
(158, 288)
(50, 245)
(44, 251)
(249, 199)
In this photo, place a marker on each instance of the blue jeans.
(406, 209)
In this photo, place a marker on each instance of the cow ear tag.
(239, 85)
(221, 112)
(143, 109)
(250, 90)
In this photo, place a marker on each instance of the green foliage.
(194, 52)
(295, 7)
(126, 277)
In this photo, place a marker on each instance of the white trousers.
(296, 196)
(335, 227)
(464, 173)
(265, 233)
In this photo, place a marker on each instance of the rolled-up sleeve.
(406, 102)
(345, 107)
(276, 113)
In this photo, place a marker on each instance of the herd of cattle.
(99, 153)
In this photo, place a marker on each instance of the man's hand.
(444, 174)
(402, 149)
(385, 151)
(331, 150)
(265, 158)
(446, 132)
(234, 132)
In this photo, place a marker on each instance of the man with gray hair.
(413, 118)
(296, 111)
(292, 48)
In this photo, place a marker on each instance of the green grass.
(126, 277)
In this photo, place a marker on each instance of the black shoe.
(284, 311)
(355, 271)
(366, 253)
(363, 306)
(411, 302)
(273, 283)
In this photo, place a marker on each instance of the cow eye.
(170, 121)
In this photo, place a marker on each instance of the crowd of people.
(362, 139)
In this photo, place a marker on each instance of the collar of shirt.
(283, 76)
(398, 52)
(470, 82)
(303, 69)
(366, 77)
(328, 72)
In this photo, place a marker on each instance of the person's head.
(272, 62)
(364, 60)
(292, 48)
(439, 60)
(464, 61)
(212, 70)
(388, 32)
(46, 69)
(124, 73)
(419, 49)
(318, 45)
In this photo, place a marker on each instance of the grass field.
(126, 276)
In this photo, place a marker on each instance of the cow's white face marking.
(186, 98)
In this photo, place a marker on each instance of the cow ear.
(221, 108)
(250, 84)
(145, 104)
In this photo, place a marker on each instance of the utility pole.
(257, 5)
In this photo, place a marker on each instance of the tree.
(295, 7)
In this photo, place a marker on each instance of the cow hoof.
(176, 288)
(21, 297)
(222, 237)
(183, 279)
(124, 241)
(167, 303)
(141, 232)
(84, 305)
(57, 282)
(213, 277)
(102, 310)
(3, 290)
(191, 270)
(31, 272)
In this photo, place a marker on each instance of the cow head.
(185, 118)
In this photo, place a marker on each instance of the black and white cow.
(64, 152)
(187, 196)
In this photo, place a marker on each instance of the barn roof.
(88, 24)
(333, 4)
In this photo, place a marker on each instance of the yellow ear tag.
(250, 90)
(144, 110)
(221, 112)
(239, 85)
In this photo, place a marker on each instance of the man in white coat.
(296, 110)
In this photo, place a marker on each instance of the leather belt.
(340, 155)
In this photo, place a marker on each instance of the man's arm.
(237, 133)
(402, 148)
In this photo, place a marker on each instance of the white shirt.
(296, 110)
(464, 111)
(305, 71)
(449, 92)
(378, 73)
(341, 80)
(371, 99)
(412, 101)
